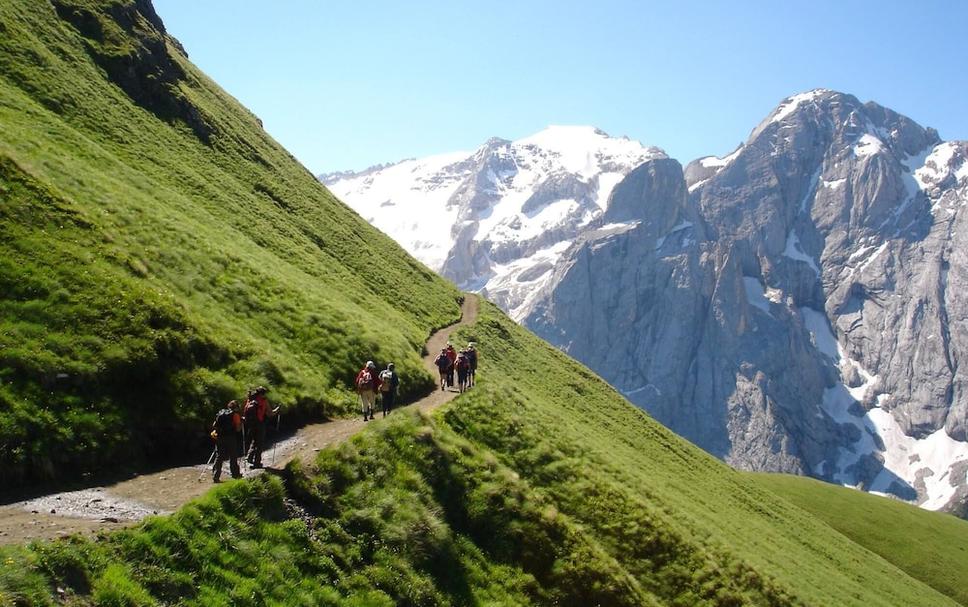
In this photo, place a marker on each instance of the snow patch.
(518, 283)
(823, 339)
(790, 104)
(716, 162)
(697, 185)
(868, 145)
(793, 251)
(904, 457)
(682, 225)
(756, 294)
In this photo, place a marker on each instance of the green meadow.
(929, 546)
(540, 486)
(152, 268)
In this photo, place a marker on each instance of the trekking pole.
(245, 462)
(211, 458)
(276, 442)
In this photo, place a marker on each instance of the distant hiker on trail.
(463, 368)
(257, 413)
(227, 429)
(472, 360)
(388, 388)
(367, 385)
(452, 355)
(442, 362)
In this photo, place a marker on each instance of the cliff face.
(794, 310)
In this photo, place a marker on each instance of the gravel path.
(127, 502)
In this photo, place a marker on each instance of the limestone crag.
(793, 306)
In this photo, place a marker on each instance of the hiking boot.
(236, 476)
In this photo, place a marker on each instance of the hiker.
(472, 361)
(442, 362)
(463, 367)
(227, 429)
(388, 388)
(257, 413)
(367, 385)
(452, 355)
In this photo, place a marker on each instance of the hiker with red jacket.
(452, 355)
(367, 385)
(442, 362)
(227, 429)
(257, 413)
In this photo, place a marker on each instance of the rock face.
(792, 307)
(496, 220)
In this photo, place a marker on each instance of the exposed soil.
(126, 502)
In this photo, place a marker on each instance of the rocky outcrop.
(791, 307)
(129, 42)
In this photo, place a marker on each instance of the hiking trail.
(127, 502)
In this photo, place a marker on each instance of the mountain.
(496, 220)
(160, 252)
(792, 307)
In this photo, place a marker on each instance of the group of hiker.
(373, 386)
(461, 363)
(242, 431)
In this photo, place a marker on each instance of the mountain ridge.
(890, 166)
(497, 217)
(792, 227)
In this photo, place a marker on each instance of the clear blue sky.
(350, 84)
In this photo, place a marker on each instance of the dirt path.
(127, 502)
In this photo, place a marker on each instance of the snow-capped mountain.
(792, 306)
(496, 220)
(795, 306)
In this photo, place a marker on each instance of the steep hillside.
(929, 546)
(159, 253)
(541, 486)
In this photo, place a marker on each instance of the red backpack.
(364, 380)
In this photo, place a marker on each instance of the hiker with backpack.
(472, 362)
(452, 355)
(256, 416)
(463, 368)
(367, 386)
(227, 429)
(443, 364)
(388, 388)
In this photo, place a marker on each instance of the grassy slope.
(929, 546)
(616, 470)
(536, 488)
(156, 259)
